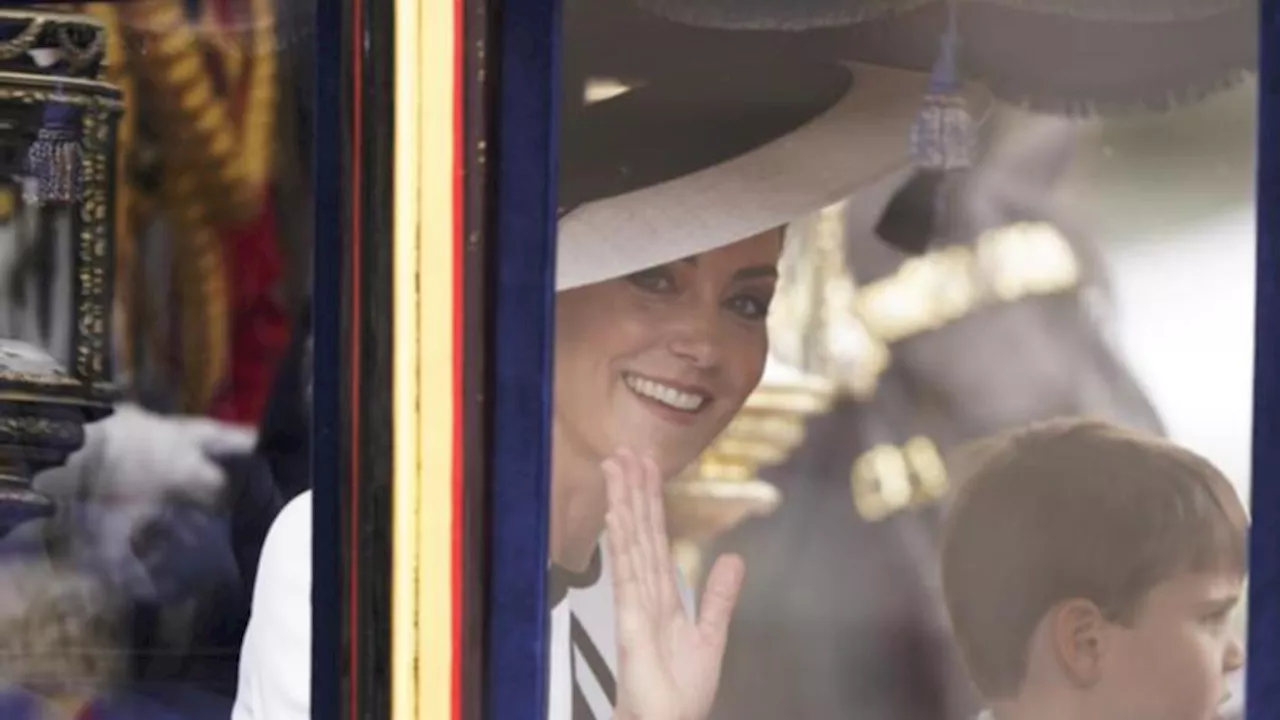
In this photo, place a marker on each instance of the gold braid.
(198, 274)
(214, 170)
(232, 160)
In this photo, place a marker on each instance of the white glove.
(135, 468)
(135, 455)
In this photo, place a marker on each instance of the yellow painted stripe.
(423, 406)
(406, 466)
(437, 311)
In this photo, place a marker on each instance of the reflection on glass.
(978, 274)
(143, 323)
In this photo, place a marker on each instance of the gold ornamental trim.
(77, 92)
(126, 259)
(1007, 264)
(78, 58)
(813, 325)
(101, 105)
(700, 511)
(888, 479)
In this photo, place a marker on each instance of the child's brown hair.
(1074, 509)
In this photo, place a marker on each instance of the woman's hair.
(1074, 509)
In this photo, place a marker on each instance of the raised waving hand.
(668, 662)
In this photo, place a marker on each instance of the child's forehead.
(1199, 587)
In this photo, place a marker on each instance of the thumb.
(719, 598)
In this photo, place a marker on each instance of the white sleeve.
(275, 660)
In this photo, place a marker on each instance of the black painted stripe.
(578, 638)
(581, 708)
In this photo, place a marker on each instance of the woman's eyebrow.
(757, 271)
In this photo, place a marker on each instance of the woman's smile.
(661, 360)
(682, 400)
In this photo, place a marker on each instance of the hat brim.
(859, 141)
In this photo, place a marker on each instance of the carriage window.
(919, 351)
(155, 266)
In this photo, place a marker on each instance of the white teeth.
(664, 394)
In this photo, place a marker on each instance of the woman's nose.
(696, 341)
(1233, 659)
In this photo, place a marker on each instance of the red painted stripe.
(353, 479)
(459, 240)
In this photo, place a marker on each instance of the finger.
(626, 590)
(218, 439)
(196, 478)
(632, 485)
(613, 485)
(618, 525)
(724, 583)
(652, 483)
(663, 572)
(622, 529)
(642, 509)
(630, 610)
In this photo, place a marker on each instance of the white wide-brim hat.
(680, 166)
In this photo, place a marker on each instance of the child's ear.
(1078, 632)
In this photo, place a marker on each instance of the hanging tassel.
(941, 147)
(54, 158)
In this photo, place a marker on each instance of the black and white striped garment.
(584, 653)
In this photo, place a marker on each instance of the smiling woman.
(674, 198)
(673, 351)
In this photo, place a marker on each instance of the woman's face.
(661, 360)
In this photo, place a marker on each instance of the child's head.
(1094, 569)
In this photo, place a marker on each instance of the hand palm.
(669, 669)
(669, 664)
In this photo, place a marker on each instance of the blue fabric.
(181, 553)
(1262, 691)
(154, 702)
(232, 546)
(212, 557)
(523, 302)
(328, 145)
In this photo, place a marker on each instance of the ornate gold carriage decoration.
(58, 121)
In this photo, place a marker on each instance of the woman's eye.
(656, 280)
(1216, 619)
(749, 307)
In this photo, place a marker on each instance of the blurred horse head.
(1008, 363)
(841, 614)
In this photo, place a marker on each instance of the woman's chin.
(672, 447)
